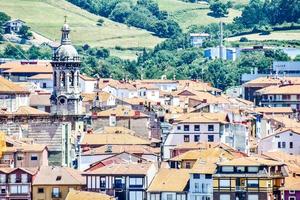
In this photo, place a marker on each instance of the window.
(44, 85)
(291, 134)
(34, 157)
(196, 138)
(252, 169)
(3, 190)
(210, 138)
(180, 196)
(196, 176)
(292, 198)
(196, 127)
(40, 190)
(178, 127)
(240, 169)
(24, 178)
(252, 196)
(55, 193)
(210, 127)
(169, 196)
(135, 195)
(224, 183)
(252, 183)
(224, 196)
(188, 165)
(154, 196)
(197, 189)
(12, 178)
(2, 178)
(136, 182)
(186, 138)
(19, 157)
(227, 169)
(279, 145)
(283, 145)
(102, 182)
(186, 128)
(291, 145)
(58, 178)
(208, 176)
(292, 191)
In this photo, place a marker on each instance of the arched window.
(62, 79)
(77, 78)
(71, 79)
(54, 79)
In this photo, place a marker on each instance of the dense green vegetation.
(3, 18)
(142, 14)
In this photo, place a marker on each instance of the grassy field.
(275, 35)
(187, 14)
(47, 16)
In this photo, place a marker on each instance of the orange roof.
(8, 87)
(27, 67)
(267, 81)
(273, 110)
(41, 76)
(29, 111)
(202, 118)
(133, 149)
(280, 89)
(87, 78)
(121, 111)
(48, 175)
(123, 169)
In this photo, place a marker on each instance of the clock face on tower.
(62, 100)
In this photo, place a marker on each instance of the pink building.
(20, 154)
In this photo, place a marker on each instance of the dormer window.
(58, 178)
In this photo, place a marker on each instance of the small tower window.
(54, 79)
(72, 78)
(62, 79)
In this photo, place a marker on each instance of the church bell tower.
(65, 98)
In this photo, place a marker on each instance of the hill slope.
(187, 14)
(46, 17)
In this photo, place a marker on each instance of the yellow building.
(249, 178)
(54, 183)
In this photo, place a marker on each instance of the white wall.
(271, 143)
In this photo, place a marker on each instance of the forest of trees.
(142, 14)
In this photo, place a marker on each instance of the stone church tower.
(65, 98)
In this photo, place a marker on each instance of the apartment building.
(15, 183)
(249, 178)
(125, 181)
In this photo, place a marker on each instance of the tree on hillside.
(24, 32)
(3, 18)
(121, 12)
(219, 9)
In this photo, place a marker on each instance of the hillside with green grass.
(187, 14)
(47, 16)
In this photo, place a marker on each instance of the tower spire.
(65, 33)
